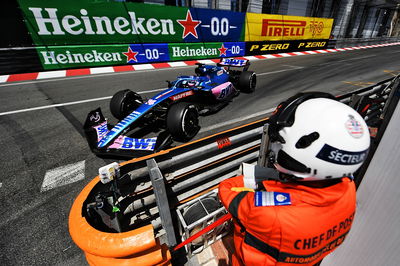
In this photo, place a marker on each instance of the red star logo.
(189, 25)
(222, 50)
(130, 55)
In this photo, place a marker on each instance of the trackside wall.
(85, 33)
(374, 237)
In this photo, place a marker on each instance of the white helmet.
(312, 136)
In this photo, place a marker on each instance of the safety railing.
(157, 190)
(197, 214)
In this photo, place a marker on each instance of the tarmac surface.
(45, 160)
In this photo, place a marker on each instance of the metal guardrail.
(197, 214)
(195, 168)
(348, 42)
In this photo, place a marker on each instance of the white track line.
(83, 77)
(68, 103)
(240, 119)
(109, 97)
(279, 71)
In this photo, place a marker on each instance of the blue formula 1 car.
(173, 112)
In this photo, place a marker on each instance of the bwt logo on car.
(139, 144)
(278, 27)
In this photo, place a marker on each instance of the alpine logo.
(95, 117)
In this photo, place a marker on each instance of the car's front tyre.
(124, 102)
(183, 121)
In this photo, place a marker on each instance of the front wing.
(96, 127)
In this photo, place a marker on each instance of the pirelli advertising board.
(264, 27)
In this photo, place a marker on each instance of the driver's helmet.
(189, 83)
(312, 136)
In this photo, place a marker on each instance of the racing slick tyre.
(247, 81)
(183, 121)
(124, 102)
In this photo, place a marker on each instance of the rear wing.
(232, 62)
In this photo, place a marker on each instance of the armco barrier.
(120, 220)
(348, 42)
(136, 247)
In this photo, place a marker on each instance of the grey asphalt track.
(34, 224)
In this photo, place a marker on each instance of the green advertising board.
(59, 22)
(187, 51)
(61, 57)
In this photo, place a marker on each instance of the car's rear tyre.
(247, 81)
(124, 102)
(183, 121)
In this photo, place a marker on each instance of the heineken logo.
(52, 58)
(49, 22)
(186, 51)
(71, 56)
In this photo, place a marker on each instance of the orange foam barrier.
(136, 247)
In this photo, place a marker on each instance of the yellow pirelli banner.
(265, 27)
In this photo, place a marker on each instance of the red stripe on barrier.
(86, 71)
(78, 72)
(22, 77)
(123, 68)
(259, 56)
(218, 222)
(160, 65)
(190, 63)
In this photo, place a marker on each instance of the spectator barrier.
(134, 215)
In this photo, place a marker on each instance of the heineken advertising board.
(182, 51)
(59, 22)
(61, 57)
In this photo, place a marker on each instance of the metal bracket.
(262, 157)
(160, 193)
